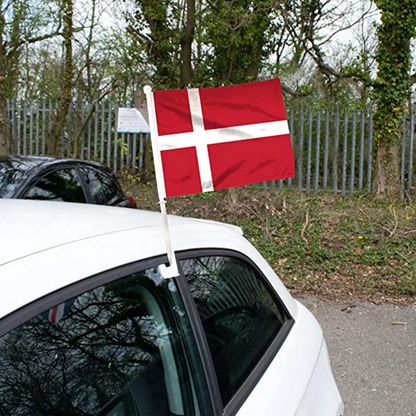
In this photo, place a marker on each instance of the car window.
(240, 316)
(59, 185)
(102, 187)
(122, 349)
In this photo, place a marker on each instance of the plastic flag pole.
(172, 269)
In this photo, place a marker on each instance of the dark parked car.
(69, 180)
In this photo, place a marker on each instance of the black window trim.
(48, 301)
(201, 342)
(244, 391)
(90, 199)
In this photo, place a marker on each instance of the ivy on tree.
(392, 88)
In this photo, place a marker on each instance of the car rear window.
(60, 185)
(10, 180)
(120, 349)
(240, 314)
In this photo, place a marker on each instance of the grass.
(325, 244)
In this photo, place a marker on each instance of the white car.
(88, 325)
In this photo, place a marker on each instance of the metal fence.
(90, 133)
(333, 148)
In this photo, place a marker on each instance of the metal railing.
(90, 133)
(334, 151)
(333, 148)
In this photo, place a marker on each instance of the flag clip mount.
(167, 272)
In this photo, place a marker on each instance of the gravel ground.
(373, 354)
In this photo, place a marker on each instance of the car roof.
(27, 163)
(46, 246)
(32, 226)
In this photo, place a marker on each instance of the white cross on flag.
(215, 138)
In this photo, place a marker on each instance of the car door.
(120, 343)
(103, 187)
(244, 322)
(265, 363)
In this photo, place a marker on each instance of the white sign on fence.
(131, 120)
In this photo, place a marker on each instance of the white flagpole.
(172, 270)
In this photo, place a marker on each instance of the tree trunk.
(88, 58)
(186, 44)
(386, 182)
(55, 136)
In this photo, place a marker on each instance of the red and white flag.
(214, 138)
(56, 313)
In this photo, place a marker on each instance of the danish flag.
(56, 313)
(215, 138)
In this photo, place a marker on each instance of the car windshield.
(10, 179)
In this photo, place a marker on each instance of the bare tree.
(22, 22)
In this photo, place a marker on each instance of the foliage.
(309, 59)
(157, 25)
(228, 39)
(124, 66)
(176, 44)
(391, 89)
(236, 33)
(321, 91)
(323, 243)
(39, 76)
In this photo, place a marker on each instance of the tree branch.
(6, 7)
(413, 79)
(349, 26)
(40, 38)
(90, 111)
(306, 39)
(47, 36)
(291, 91)
(147, 39)
(316, 55)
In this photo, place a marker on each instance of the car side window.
(121, 349)
(59, 185)
(102, 187)
(240, 316)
